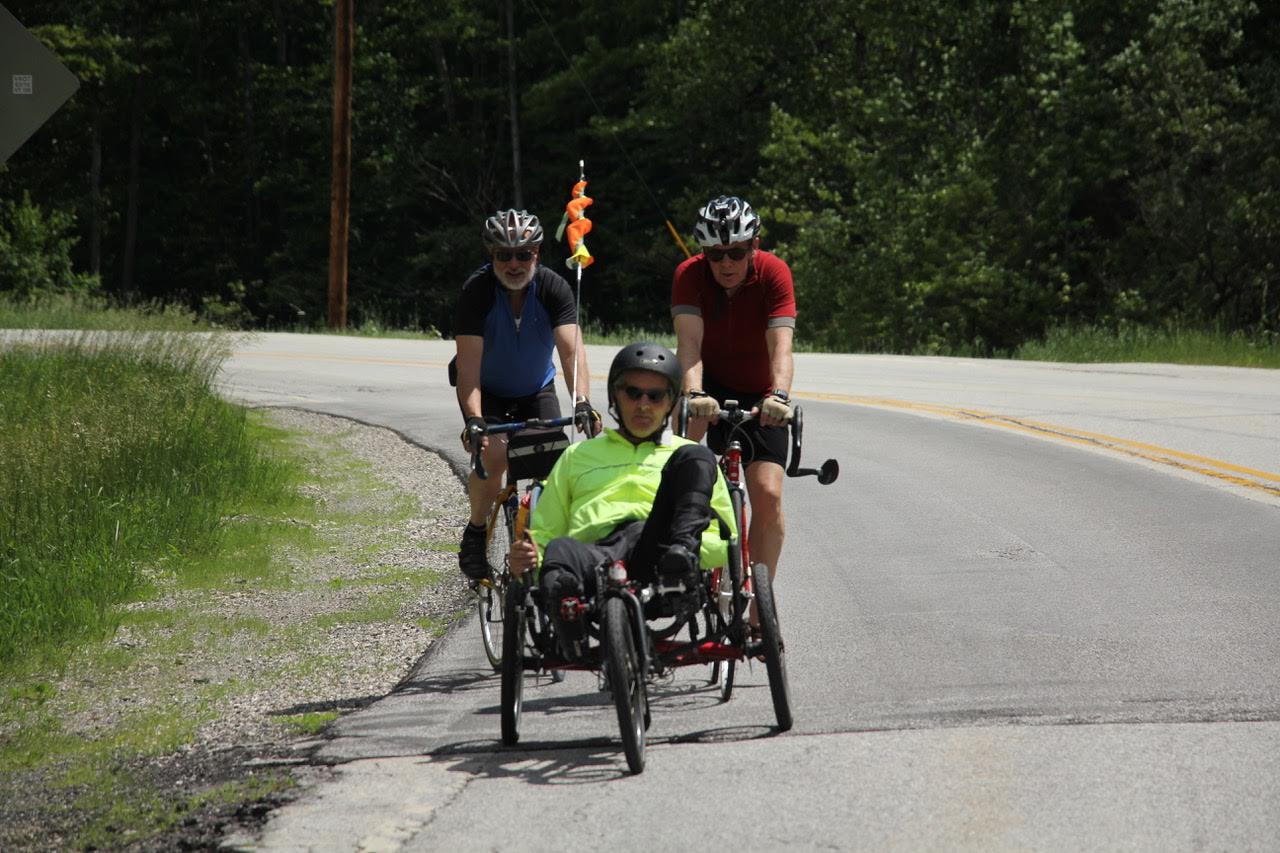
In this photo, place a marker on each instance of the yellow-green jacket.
(599, 483)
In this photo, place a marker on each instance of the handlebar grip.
(476, 434)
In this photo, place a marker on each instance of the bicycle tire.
(626, 681)
(771, 646)
(512, 693)
(738, 562)
(723, 671)
(490, 606)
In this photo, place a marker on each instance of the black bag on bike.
(532, 452)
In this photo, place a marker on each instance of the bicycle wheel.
(492, 594)
(723, 671)
(771, 645)
(626, 681)
(489, 607)
(512, 668)
(739, 560)
(733, 607)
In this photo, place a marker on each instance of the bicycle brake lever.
(477, 461)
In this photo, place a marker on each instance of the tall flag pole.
(576, 225)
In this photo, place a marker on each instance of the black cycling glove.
(472, 423)
(586, 418)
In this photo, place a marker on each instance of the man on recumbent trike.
(637, 493)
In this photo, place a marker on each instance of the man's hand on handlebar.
(775, 410)
(703, 405)
(586, 419)
(474, 427)
(523, 556)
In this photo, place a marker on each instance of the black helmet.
(511, 229)
(724, 220)
(647, 355)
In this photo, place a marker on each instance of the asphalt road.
(1038, 611)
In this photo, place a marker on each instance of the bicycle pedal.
(677, 589)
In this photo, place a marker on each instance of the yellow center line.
(1205, 465)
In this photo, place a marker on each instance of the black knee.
(693, 468)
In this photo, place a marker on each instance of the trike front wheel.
(626, 681)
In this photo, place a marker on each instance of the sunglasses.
(737, 253)
(655, 395)
(502, 256)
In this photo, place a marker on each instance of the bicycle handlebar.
(829, 470)
(736, 416)
(479, 432)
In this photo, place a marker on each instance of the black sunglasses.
(655, 395)
(737, 253)
(502, 255)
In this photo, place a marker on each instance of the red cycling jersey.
(734, 352)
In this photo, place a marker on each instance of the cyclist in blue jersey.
(513, 314)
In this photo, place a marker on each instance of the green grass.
(124, 478)
(115, 452)
(310, 723)
(168, 653)
(79, 311)
(130, 811)
(595, 333)
(438, 627)
(1092, 344)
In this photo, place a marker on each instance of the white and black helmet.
(511, 229)
(726, 219)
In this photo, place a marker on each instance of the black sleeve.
(474, 304)
(557, 298)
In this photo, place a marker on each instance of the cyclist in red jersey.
(734, 311)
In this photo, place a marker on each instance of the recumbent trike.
(631, 632)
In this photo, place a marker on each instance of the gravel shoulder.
(233, 685)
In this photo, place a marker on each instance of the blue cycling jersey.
(517, 361)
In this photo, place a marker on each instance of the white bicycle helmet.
(511, 229)
(726, 219)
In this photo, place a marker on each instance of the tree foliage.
(942, 176)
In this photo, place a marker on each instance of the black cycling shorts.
(759, 443)
(543, 404)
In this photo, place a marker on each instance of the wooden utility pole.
(340, 199)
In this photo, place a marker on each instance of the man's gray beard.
(516, 288)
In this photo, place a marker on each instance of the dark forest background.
(941, 175)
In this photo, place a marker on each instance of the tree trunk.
(95, 197)
(247, 141)
(446, 83)
(282, 34)
(517, 191)
(128, 284)
(206, 135)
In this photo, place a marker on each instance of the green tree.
(35, 252)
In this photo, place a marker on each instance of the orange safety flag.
(576, 223)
